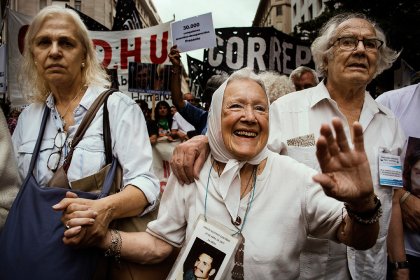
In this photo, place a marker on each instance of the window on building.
(279, 10)
(302, 2)
(302, 19)
(311, 14)
(78, 5)
(294, 10)
(42, 3)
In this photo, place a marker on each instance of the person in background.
(304, 77)
(185, 129)
(167, 128)
(212, 84)
(194, 115)
(270, 202)
(350, 51)
(189, 97)
(405, 104)
(10, 179)
(276, 85)
(61, 67)
(13, 119)
(412, 238)
(152, 128)
(173, 110)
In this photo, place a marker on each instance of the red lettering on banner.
(125, 53)
(153, 49)
(107, 51)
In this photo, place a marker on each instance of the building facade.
(305, 10)
(103, 11)
(285, 15)
(274, 13)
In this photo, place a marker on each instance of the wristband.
(400, 265)
(367, 217)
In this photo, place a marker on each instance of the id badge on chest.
(207, 253)
(390, 170)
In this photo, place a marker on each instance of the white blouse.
(287, 206)
(130, 142)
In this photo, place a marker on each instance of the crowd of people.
(288, 166)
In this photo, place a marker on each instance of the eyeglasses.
(55, 157)
(351, 43)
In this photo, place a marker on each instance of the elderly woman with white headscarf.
(270, 201)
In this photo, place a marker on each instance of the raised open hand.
(345, 172)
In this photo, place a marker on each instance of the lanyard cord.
(249, 204)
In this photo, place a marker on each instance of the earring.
(36, 62)
(83, 65)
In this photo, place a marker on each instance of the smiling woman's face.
(244, 118)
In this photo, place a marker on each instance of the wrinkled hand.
(410, 210)
(88, 220)
(188, 158)
(174, 56)
(345, 173)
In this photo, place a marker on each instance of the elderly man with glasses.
(350, 51)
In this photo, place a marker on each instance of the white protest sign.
(194, 33)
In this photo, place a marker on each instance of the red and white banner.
(115, 50)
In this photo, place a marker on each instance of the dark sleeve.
(195, 116)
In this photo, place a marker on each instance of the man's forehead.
(356, 25)
(206, 257)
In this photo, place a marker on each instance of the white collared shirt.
(130, 142)
(295, 121)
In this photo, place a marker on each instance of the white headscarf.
(229, 179)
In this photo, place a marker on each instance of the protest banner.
(260, 48)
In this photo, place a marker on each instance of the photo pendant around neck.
(211, 238)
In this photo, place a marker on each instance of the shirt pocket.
(88, 157)
(25, 152)
(305, 155)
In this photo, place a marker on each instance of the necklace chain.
(248, 206)
(62, 116)
(254, 173)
